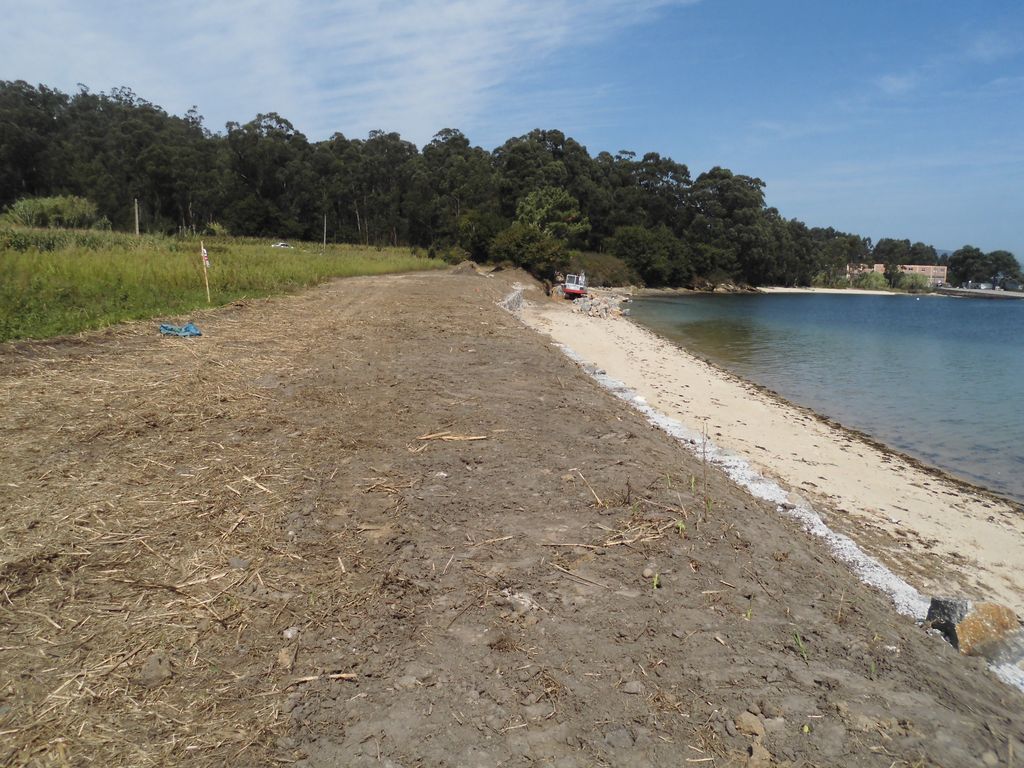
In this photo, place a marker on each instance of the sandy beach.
(847, 291)
(942, 536)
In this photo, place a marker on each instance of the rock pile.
(975, 629)
(598, 306)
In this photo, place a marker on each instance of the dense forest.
(540, 200)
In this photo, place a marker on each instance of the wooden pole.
(325, 234)
(206, 274)
(136, 217)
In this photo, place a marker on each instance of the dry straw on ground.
(142, 512)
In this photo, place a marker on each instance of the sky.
(894, 118)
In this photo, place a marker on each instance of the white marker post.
(206, 267)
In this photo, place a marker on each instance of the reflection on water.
(941, 379)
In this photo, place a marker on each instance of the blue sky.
(889, 119)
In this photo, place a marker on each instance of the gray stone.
(538, 711)
(633, 687)
(944, 613)
(758, 756)
(750, 724)
(527, 674)
(156, 670)
(406, 683)
(518, 745)
(620, 738)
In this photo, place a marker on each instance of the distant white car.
(280, 245)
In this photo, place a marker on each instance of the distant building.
(935, 273)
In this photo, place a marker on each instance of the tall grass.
(95, 279)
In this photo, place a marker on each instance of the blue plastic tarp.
(180, 330)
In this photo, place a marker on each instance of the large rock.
(944, 613)
(750, 724)
(985, 629)
(976, 629)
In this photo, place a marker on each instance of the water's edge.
(905, 598)
(860, 435)
(941, 390)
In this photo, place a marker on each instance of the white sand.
(935, 533)
(848, 291)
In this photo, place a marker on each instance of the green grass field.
(59, 282)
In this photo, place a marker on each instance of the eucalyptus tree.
(31, 119)
(465, 186)
(270, 190)
(728, 225)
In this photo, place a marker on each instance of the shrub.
(47, 240)
(828, 280)
(602, 268)
(531, 249)
(914, 283)
(870, 281)
(453, 255)
(67, 212)
(216, 229)
(656, 254)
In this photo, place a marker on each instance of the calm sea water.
(938, 378)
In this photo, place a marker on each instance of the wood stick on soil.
(465, 608)
(492, 541)
(449, 437)
(301, 680)
(584, 579)
(598, 498)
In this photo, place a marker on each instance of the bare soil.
(383, 523)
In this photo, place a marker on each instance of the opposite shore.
(770, 289)
(940, 534)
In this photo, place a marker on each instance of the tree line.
(538, 200)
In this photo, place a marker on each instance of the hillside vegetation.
(535, 200)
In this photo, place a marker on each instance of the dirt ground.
(383, 523)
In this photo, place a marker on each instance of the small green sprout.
(800, 645)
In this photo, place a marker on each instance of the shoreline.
(942, 534)
(765, 289)
(849, 291)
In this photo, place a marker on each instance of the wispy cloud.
(898, 85)
(992, 46)
(328, 65)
